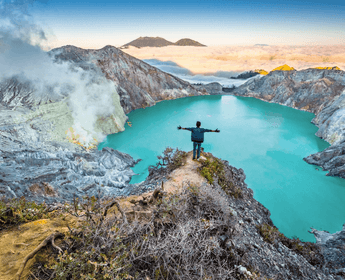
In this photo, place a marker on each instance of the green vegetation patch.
(19, 210)
(214, 168)
(310, 251)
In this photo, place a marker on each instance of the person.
(197, 136)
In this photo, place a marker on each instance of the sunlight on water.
(268, 141)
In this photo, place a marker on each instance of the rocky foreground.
(195, 227)
(318, 91)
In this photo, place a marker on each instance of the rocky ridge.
(254, 240)
(138, 83)
(254, 247)
(319, 91)
(40, 155)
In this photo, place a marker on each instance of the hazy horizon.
(210, 60)
(93, 24)
(303, 35)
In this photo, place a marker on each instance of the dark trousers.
(195, 144)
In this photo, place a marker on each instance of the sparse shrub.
(19, 210)
(171, 159)
(181, 241)
(308, 250)
(269, 233)
(213, 167)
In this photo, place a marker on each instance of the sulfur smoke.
(88, 93)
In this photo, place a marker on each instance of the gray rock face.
(211, 88)
(59, 176)
(314, 90)
(139, 84)
(333, 249)
(332, 159)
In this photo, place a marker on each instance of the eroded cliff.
(319, 91)
(138, 83)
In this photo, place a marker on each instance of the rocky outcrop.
(211, 88)
(319, 91)
(255, 244)
(333, 250)
(60, 176)
(331, 158)
(246, 75)
(138, 84)
(243, 240)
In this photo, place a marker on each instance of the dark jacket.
(198, 133)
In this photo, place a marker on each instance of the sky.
(96, 23)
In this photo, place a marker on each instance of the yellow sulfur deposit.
(329, 68)
(261, 71)
(16, 243)
(75, 138)
(284, 67)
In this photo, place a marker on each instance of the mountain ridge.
(38, 127)
(142, 42)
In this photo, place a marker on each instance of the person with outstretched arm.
(197, 136)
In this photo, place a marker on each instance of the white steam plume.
(89, 93)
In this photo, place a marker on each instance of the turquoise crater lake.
(268, 141)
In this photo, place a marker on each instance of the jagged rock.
(245, 243)
(36, 132)
(246, 75)
(138, 83)
(58, 177)
(211, 88)
(333, 250)
(319, 91)
(332, 159)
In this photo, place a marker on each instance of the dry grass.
(181, 240)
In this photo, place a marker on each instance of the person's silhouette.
(197, 136)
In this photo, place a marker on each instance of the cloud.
(210, 60)
(222, 77)
(89, 93)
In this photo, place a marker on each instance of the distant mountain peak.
(142, 42)
(189, 42)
